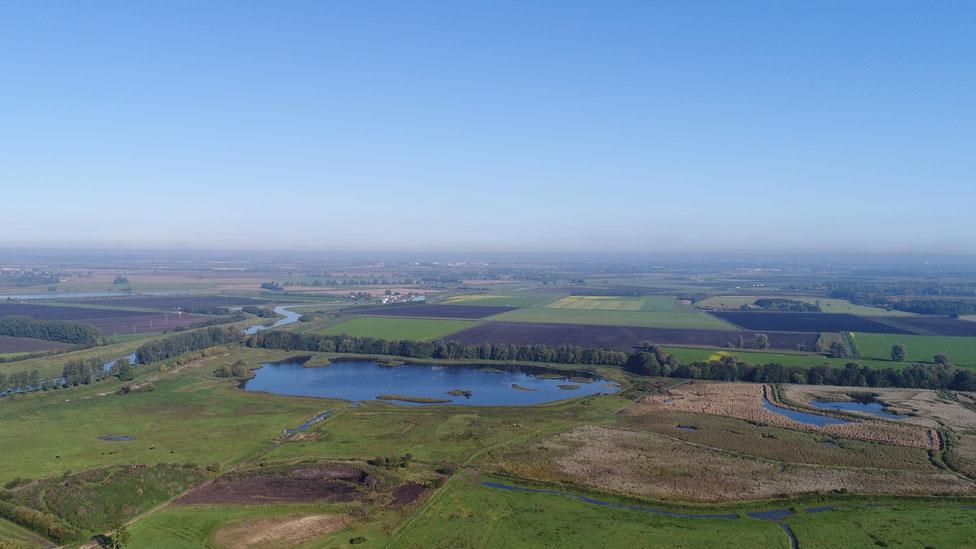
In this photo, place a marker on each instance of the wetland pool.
(425, 384)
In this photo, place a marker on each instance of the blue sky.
(524, 126)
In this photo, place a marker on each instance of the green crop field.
(503, 300)
(695, 354)
(827, 305)
(961, 350)
(417, 329)
(614, 303)
(616, 318)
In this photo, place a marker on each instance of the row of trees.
(647, 360)
(782, 304)
(563, 354)
(260, 312)
(174, 345)
(19, 381)
(917, 375)
(65, 331)
(43, 523)
(943, 307)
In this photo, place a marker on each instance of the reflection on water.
(802, 417)
(449, 384)
(875, 408)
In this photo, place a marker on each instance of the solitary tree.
(120, 538)
(898, 352)
(762, 341)
(942, 358)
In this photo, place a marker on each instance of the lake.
(357, 381)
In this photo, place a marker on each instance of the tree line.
(647, 360)
(452, 350)
(652, 361)
(782, 304)
(171, 346)
(64, 331)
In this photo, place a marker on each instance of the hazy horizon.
(627, 128)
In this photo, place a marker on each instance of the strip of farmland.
(806, 322)
(107, 321)
(620, 337)
(932, 325)
(435, 311)
(10, 344)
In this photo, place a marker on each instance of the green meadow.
(417, 329)
(961, 350)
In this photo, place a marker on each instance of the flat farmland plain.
(177, 302)
(961, 350)
(805, 322)
(416, 329)
(618, 337)
(649, 319)
(107, 321)
(435, 311)
(661, 304)
(501, 300)
(10, 344)
(932, 325)
(827, 305)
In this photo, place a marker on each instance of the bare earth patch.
(745, 401)
(279, 531)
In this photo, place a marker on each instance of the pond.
(108, 365)
(420, 384)
(802, 417)
(875, 408)
(290, 317)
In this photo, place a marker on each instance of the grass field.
(660, 304)
(827, 305)
(468, 514)
(894, 524)
(15, 535)
(503, 300)
(695, 320)
(693, 354)
(418, 329)
(961, 350)
(190, 418)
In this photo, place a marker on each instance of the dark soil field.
(314, 483)
(933, 325)
(618, 337)
(436, 311)
(805, 322)
(51, 312)
(26, 345)
(170, 303)
(406, 494)
(107, 321)
(143, 323)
